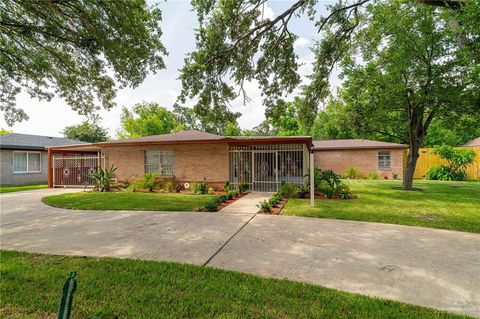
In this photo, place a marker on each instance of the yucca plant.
(102, 179)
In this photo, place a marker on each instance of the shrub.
(303, 190)
(343, 191)
(230, 195)
(372, 175)
(458, 160)
(148, 181)
(351, 173)
(325, 188)
(243, 187)
(203, 187)
(226, 187)
(265, 206)
(102, 179)
(288, 189)
(212, 205)
(235, 192)
(211, 191)
(275, 199)
(169, 187)
(222, 198)
(445, 173)
(328, 176)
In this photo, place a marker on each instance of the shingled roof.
(354, 144)
(474, 142)
(183, 136)
(33, 142)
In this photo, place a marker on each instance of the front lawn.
(21, 188)
(128, 201)
(31, 287)
(448, 205)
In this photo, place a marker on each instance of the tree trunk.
(411, 164)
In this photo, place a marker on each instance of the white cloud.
(268, 12)
(301, 42)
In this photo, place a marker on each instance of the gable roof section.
(33, 142)
(354, 144)
(190, 136)
(474, 142)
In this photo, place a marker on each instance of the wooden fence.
(427, 160)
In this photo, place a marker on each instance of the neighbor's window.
(384, 160)
(160, 162)
(27, 162)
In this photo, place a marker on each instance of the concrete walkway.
(429, 267)
(247, 204)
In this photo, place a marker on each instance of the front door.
(265, 171)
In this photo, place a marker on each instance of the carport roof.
(354, 144)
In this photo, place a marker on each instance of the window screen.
(160, 162)
(384, 160)
(26, 162)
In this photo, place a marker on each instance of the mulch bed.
(230, 201)
(275, 210)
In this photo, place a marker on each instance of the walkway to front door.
(247, 205)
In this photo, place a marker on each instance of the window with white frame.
(384, 160)
(160, 162)
(27, 162)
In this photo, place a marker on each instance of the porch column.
(312, 179)
(49, 168)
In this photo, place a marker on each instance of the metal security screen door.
(265, 177)
(73, 170)
(265, 167)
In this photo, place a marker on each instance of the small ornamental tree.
(458, 159)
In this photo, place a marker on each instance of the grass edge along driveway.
(125, 288)
(128, 201)
(445, 205)
(21, 188)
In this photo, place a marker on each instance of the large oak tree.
(79, 50)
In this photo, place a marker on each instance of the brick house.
(365, 155)
(261, 162)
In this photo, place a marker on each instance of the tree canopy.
(235, 43)
(88, 131)
(147, 119)
(78, 50)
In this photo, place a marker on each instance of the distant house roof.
(33, 142)
(354, 144)
(474, 142)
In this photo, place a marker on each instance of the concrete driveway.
(429, 267)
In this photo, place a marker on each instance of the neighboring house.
(365, 155)
(24, 157)
(189, 156)
(472, 143)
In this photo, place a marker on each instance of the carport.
(71, 166)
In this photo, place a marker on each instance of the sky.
(178, 25)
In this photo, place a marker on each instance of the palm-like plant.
(102, 179)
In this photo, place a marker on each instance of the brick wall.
(193, 162)
(366, 161)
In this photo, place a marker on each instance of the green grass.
(21, 188)
(121, 288)
(128, 201)
(447, 205)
